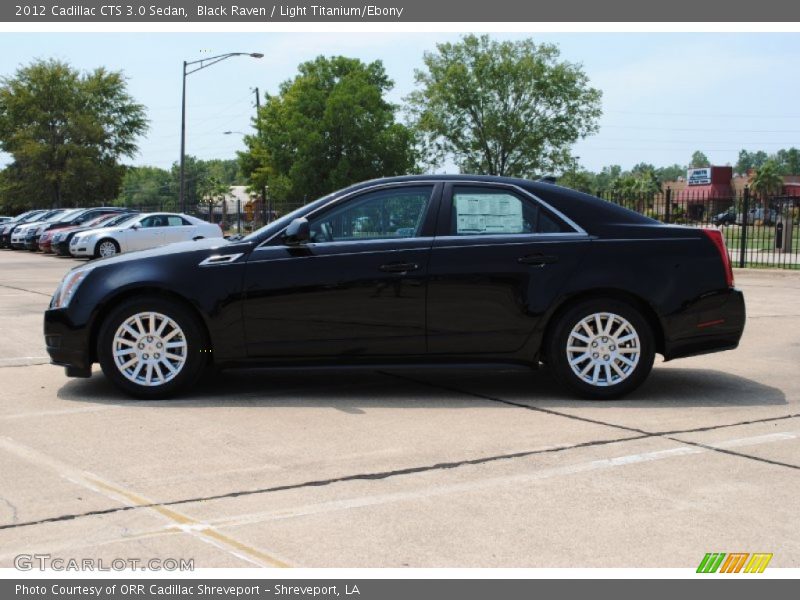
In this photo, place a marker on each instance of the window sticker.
(488, 214)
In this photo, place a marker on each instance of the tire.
(611, 365)
(174, 333)
(103, 248)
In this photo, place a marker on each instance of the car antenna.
(548, 179)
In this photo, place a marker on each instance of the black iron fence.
(759, 231)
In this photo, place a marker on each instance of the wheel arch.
(126, 294)
(636, 301)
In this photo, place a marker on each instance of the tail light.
(715, 235)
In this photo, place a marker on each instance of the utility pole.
(267, 211)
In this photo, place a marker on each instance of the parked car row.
(768, 216)
(100, 232)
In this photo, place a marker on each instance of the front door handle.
(399, 267)
(537, 260)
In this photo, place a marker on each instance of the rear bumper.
(67, 344)
(710, 324)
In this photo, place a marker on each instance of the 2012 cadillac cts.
(417, 269)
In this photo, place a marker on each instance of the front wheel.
(152, 347)
(601, 349)
(106, 248)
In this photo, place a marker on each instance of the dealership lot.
(403, 467)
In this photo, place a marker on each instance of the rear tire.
(152, 347)
(601, 348)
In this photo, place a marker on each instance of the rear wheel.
(152, 347)
(601, 349)
(105, 248)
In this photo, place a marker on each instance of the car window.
(176, 221)
(493, 211)
(382, 214)
(154, 221)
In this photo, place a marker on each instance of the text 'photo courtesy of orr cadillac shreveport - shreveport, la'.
(417, 269)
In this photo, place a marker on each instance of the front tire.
(601, 349)
(152, 347)
(106, 248)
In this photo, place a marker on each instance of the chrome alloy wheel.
(149, 349)
(107, 249)
(603, 349)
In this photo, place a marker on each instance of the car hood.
(208, 245)
(104, 230)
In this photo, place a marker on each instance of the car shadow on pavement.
(349, 390)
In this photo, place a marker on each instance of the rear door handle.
(399, 267)
(537, 260)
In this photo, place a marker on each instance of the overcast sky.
(664, 95)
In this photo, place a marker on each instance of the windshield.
(120, 219)
(272, 228)
(68, 215)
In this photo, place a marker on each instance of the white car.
(140, 232)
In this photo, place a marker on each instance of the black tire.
(197, 352)
(104, 241)
(558, 358)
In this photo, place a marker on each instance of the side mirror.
(298, 232)
(136, 226)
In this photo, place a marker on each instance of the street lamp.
(203, 63)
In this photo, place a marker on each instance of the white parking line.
(482, 484)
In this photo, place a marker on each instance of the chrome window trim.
(345, 197)
(577, 229)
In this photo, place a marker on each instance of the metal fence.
(759, 231)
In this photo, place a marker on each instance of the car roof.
(590, 212)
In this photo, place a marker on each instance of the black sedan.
(419, 269)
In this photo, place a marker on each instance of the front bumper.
(67, 344)
(61, 248)
(710, 324)
(81, 249)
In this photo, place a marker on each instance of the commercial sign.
(699, 176)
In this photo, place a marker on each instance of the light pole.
(189, 68)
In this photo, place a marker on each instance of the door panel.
(340, 299)
(499, 265)
(357, 289)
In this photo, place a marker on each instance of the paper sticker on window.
(487, 213)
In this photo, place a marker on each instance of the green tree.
(767, 181)
(580, 180)
(327, 128)
(699, 160)
(788, 161)
(670, 173)
(147, 187)
(750, 160)
(66, 132)
(503, 108)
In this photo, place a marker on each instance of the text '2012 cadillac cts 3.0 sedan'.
(422, 269)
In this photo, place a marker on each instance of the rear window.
(481, 210)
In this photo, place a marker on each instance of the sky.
(665, 95)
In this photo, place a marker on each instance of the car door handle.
(537, 260)
(399, 267)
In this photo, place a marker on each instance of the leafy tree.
(503, 108)
(66, 131)
(788, 161)
(329, 127)
(767, 181)
(147, 187)
(670, 173)
(580, 180)
(699, 160)
(750, 160)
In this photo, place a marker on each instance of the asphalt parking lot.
(403, 467)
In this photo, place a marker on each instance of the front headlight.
(68, 286)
